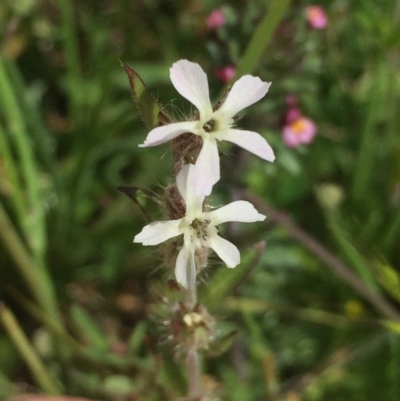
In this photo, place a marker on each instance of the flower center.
(209, 126)
(298, 126)
(200, 228)
(315, 14)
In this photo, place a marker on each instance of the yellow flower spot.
(298, 126)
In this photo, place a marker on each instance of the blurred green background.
(314, 317)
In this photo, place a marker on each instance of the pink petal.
(225, 250)
(292, 115)
(246, 91)
(310, 129)
(300, 131)
(191, 82)
(206, 172)
(159, 231)
(185, 268)
(242, 211)
(216, 19)
(317, 17)
(225, 74)
(167, 132)
(250, 141)
(290, 138)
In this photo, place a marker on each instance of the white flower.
(191, 82)
(199, 229)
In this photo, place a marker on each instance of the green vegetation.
(313, 314)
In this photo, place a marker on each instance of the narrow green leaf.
(351, 253)
(88, 329)
(262, 37)
(364, 168)
(7, 388)
(34, 120)
(392, 326)
(389, 278)
(392, 231)
(135, 340)
(27, 352)
(74, 83)
(226, 280)
(222, 344)
(13, 177)
(14, 115)
(150, 110)
(37, 279)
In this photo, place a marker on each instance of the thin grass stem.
(27, 351)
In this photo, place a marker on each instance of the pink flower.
(225, 74)
(215, 20)
(317, 17)
(298, 131)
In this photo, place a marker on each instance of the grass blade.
(15, 118)
(27, 351)
(262, 37)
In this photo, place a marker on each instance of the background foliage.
(317, 318)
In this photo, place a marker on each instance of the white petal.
(159, 231)
(185, 183)
(167, 132)
(250, 141)
(182, 180)
(242, 211)
(185, 269)
(206, 172)
(246, 91)
(191, 82)
(225, 250)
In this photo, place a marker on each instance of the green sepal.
(151, 110)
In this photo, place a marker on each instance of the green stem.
(13, 176)
(363, 171)
(262, 37)
(71, 45)
(16, 121)
(27, 351)
(36, 278)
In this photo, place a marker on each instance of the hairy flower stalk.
(193, 226)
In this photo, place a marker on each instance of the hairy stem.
(193, 366)
(193, 358)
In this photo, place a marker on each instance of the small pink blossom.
(292, 115)
(317, 17)
(215, 20)
(225, 74)
(298, 131)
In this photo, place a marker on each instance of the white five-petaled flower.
(199, 229)
(191, 82)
